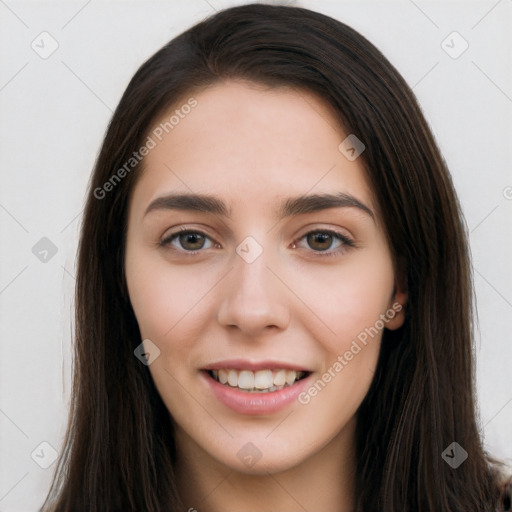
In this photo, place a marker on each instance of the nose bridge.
(254, 297)
(251, 274)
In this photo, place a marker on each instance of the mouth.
(251, 387)
(260, 381)
(263, 388)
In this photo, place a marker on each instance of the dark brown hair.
(119, 447)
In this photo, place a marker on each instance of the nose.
(254, 300)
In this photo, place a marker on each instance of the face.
(266, 303)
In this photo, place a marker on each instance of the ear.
(396, 310)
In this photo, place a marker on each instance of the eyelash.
(347, 243)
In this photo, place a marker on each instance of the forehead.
(251, 145)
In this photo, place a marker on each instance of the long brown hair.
(119, 447)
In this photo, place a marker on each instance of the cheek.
(350, 302)
(347, 299)
(166, 298)
(335, 396)
(171, 305)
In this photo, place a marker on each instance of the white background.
(53, 114)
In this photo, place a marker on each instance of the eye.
(187, 240)
(322, 242)
(327, 242)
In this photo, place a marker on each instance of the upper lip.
(246, 364)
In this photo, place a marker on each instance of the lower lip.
(244, 402)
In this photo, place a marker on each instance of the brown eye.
(187, 241)
(191, 241)
(327, 242)
(320, 241)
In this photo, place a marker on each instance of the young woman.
(274, 296)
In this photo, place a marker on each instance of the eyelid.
(167, 239)
(347, 242)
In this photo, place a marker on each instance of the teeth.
(233, 378)
(223, 376)
(280, 378)
(246, 380)
(290, 377)
(262, 381)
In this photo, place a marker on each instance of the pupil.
(324, 238)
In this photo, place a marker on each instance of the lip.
(245, 364)
(255, 404)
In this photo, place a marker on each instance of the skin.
(253, 147)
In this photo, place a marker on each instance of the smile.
(259, 391)
(261, 381)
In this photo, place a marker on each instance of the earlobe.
(396, 310)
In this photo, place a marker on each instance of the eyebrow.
(292, 206)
